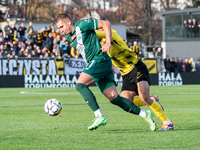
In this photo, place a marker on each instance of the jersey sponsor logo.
(80, 46)
(139, 75)
(72, 38)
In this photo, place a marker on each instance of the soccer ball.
(53, 107)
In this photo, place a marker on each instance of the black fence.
(64, 81)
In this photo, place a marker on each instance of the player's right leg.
(82, 84)
(143, 90)
(137, 101)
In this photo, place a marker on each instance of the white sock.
(142, 113)
(98, 113)
(168, 122)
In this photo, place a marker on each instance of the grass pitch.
(24, 125)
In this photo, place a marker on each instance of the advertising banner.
(151, 65)
(73, 66)
(54, 73)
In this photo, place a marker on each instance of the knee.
(111, 96)
(79, 86)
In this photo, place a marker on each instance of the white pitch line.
(71, 93)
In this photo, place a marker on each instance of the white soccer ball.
(53, 107)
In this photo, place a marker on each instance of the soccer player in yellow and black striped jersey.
(135, 76)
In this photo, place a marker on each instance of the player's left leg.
(137, 101)
(128, 106)
(143, 91)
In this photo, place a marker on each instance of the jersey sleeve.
(89, 24)
(101, 34)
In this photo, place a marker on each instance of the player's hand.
(106, 48)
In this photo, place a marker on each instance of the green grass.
(24, 125)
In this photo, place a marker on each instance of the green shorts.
(100, 69)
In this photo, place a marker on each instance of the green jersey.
(85, 40)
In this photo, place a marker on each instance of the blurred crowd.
(180, 65)
(28, 43)
(168, 64)
(50, 43)
(191, 28)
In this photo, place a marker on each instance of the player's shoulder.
(85, 22)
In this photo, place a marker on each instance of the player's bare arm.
(106, 27)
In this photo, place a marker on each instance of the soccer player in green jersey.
(82, 36)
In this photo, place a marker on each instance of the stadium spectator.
(53, 53)
(39, 38)
(53, 33)
(21, 31)
(28, 55)
(5, 49)
(173, 67)
(15, 32)
(192, 63)
(58, 32)
(182, 68)
(185, 29)
(49, 43)
(56, 43)
(38, 51)
(74, 53)
(18, 48)
(6, 39)
(14, 28)
(1, 51)
(49, 29)
(188, 66)
(159, 59)
(1, 31)
(44, 50)
(11, 35)
(44, 36)
(46, 55)
(30, 38)
(190, 29)
(9, 55)
(14, 54)
(7, 28)
(41, 56)
(135, 47)
(1, 41)
(58, 55)
(197, 65)
(52, 27)
(179, 66)
(1, 36)
(30, 27)
(33, 54)
(167, 64)
(64, 47)
(21, 52)
(195, 28)
(154, 52)
(141, 55)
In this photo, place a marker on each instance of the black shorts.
(139, 73)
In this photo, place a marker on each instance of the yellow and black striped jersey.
(121, 55)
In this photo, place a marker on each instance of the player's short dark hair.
(62, 16)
